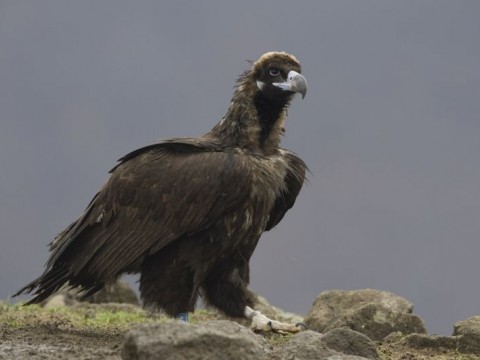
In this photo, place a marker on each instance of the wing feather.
(294, 180)
(154, 196)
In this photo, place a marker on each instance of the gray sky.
(390, 129)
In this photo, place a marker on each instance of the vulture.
(187, 213)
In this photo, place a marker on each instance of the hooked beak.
(295, 82)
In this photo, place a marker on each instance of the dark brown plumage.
(187, 213)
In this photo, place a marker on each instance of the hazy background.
(390, 129)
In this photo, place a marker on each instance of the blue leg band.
(182, 316)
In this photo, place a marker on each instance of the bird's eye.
(274, 72)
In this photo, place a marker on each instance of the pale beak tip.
(299, 84)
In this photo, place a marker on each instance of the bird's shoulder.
(182, 170)
(173, 147)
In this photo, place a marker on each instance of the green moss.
(202, 315)
(87, 317)
(277, 340)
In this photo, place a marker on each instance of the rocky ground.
(360, 324)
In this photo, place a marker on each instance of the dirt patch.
(50, 342)
(86, 331)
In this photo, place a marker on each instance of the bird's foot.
(261, 323)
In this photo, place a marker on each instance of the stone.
(332, 305)
(62, 298)
(465, 339)
(176, 340)
(373, 313)
(376, 322)
(350, 342)
(55, 301)
(422, 341)
(308, 345)
(468, 332)
(118, 292)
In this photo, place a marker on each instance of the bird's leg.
(183, 316)
(262, 323)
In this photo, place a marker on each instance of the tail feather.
(54, 279)
(92, 290)
(61, 269)
(45, 285)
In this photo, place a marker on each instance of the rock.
(175, 340)
(422, 341)
(231, 327)
(350, 342)
(468, 332)
(371, 312)
(54, 301)
(376, 322)
(119, 292)
(331, 305)
(308, 345)
(465, 339)
(62, 298)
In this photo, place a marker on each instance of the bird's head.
(277, 75)
(257, 112)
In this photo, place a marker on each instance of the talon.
(262, 323)
(301, 325)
